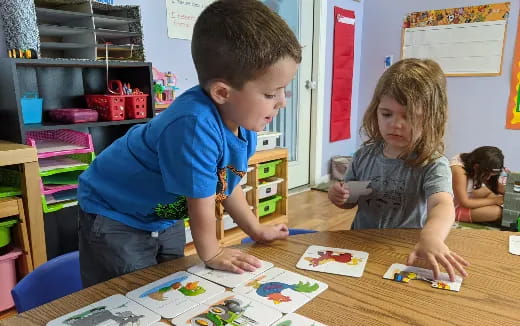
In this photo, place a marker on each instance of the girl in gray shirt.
(410, 179)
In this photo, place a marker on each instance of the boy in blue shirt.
(134, 196)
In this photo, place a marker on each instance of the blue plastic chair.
(291, 232)
(52, 280)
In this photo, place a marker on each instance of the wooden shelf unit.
(235, 235)
(29, 233)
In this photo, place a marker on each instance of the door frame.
(318, 94)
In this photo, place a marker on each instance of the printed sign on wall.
(181, 16)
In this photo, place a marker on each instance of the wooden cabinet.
(29, 234)
(279, 215)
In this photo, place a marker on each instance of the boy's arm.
(238, 207)
(203, 230)
(202, 224)
(431, 247)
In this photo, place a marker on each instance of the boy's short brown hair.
(237, 40)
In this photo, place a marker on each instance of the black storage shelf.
(102, 21)
(73, 30)
(54, 126)
(62, 83)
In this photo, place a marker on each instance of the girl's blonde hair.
(420, 86)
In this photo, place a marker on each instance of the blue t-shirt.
(144, 177)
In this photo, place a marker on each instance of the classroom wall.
(343, 147)
(477, 104)
(166, 54)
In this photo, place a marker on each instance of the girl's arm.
(338, 195)
(431, 247)
(460, 184)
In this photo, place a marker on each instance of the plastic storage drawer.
(8, 272)
(9, 183)
(267, 140)
(243, 181)
(268, 169)
(187, 231)
(246, 188)
(269, 187)
(268, 206)
(228, 222)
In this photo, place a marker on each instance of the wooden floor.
(313, 210)
(307, 210)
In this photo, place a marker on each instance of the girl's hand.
(267, 233)
(435, 252)
(234, 260)
(499, 200)
(338, 195)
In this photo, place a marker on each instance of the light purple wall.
(343, 147)
(165, 53)
(477, 104)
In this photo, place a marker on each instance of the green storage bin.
(64, 178)
(9, 183)
(268, 169)
(5, 232)
(268, 206)
(49, 208)
(65, 163)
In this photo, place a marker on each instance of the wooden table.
(490, 295)
(26, 156)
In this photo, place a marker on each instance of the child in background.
(478, 194)
(402, 158)
(135, 195)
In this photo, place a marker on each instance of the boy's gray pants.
(108, 248)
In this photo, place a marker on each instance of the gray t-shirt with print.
(400, 192)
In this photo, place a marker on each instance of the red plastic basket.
(135, 106)
(109, 107)
(118, 106)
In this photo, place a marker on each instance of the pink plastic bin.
(8, 272)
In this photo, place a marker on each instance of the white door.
(294, 121)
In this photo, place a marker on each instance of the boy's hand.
(234, 260)
(434, 251)
(267, 233)
(338, 195)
